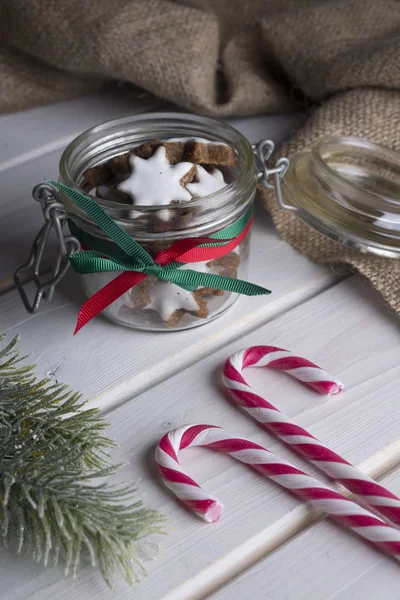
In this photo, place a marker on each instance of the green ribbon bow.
(124, 254)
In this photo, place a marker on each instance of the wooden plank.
(99, 360)
(29, 134)
(349, 334)
(322, 562)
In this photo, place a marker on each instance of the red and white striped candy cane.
(336, 467)
(320, 495)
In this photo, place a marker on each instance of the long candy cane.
(308, 488)
(336, 467)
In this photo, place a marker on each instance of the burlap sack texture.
(224, 57)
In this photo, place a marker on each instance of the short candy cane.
(346, 512)
(333, 465)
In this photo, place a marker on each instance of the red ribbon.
(184, 251)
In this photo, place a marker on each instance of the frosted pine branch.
(52, 449)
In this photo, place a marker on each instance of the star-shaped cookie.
(207, 183)
(154, 181)
(168, 298)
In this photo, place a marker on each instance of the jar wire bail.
(36, 269)
(263, 152)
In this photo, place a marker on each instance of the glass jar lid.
(348, 189)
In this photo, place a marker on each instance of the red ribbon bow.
(184, 251)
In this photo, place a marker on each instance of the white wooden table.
(267, 544)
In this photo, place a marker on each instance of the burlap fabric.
(224, 57)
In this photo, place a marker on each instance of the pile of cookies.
(172, 302)
(162, 173)
(193, 155)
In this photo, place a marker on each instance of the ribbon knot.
(123, 254)
(154, 270)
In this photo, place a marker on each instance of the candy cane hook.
(333, 465)
(320, 495)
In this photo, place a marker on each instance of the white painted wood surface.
(196, 555)
(343, 326)
(321, 563)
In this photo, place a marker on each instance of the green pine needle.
(51, 451)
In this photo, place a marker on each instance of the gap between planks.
(270, 539)
(122, 393)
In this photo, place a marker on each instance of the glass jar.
(154, 304)
(348, 189)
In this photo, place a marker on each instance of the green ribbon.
(124, 254)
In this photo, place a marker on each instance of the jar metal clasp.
(55, 217)
(263, 152)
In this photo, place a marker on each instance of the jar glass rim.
(172, 121)
(391, 158)
(348, 189)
